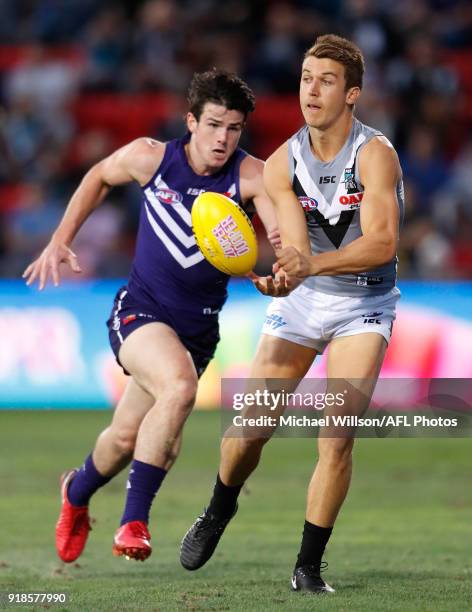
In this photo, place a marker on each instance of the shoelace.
(309, 570)
(207, 522)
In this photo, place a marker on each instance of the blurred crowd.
(60, 59)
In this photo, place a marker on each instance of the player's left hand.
(278, 286)
(292, 262)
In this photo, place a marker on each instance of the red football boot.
(73, 525)
(132, 540)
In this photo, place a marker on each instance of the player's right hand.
(278, 286)
(48, 264)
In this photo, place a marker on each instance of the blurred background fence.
(55, 352)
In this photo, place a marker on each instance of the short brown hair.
(343, 51)
(219, 87)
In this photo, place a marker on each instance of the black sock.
(314, 541)
(224, 499)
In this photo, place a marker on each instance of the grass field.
(403, 541)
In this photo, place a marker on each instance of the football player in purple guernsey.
(163, 326)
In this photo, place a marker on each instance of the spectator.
(49, 83)
(105, 43)
(275, 62)
(157, 40)
(28, 227)
(424, 166)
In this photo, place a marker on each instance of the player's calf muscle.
(112, 452)
(171, 451)
(123, 441)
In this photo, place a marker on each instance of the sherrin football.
(224, 233)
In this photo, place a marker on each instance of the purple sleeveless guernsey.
(168, 267)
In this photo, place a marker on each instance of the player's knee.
(249, 446)
(337, 452)
(180, 393)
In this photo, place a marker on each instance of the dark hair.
(220, 87)
(343, 51)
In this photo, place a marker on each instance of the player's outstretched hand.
(292, 262)
(278, 286)
(48, 264)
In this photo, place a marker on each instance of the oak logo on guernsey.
(168, 196)
(230, 238)
(353, 201)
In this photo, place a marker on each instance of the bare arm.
(379, 170)
(136, 161)
(252, 189)
(253, 186)
(290, 215)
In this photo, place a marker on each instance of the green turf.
(402, 542)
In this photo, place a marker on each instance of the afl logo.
(168, 196)
(308, 203)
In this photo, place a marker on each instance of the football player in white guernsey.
(337, 188)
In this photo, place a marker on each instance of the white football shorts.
(313, 319)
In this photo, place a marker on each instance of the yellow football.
(224, 233)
